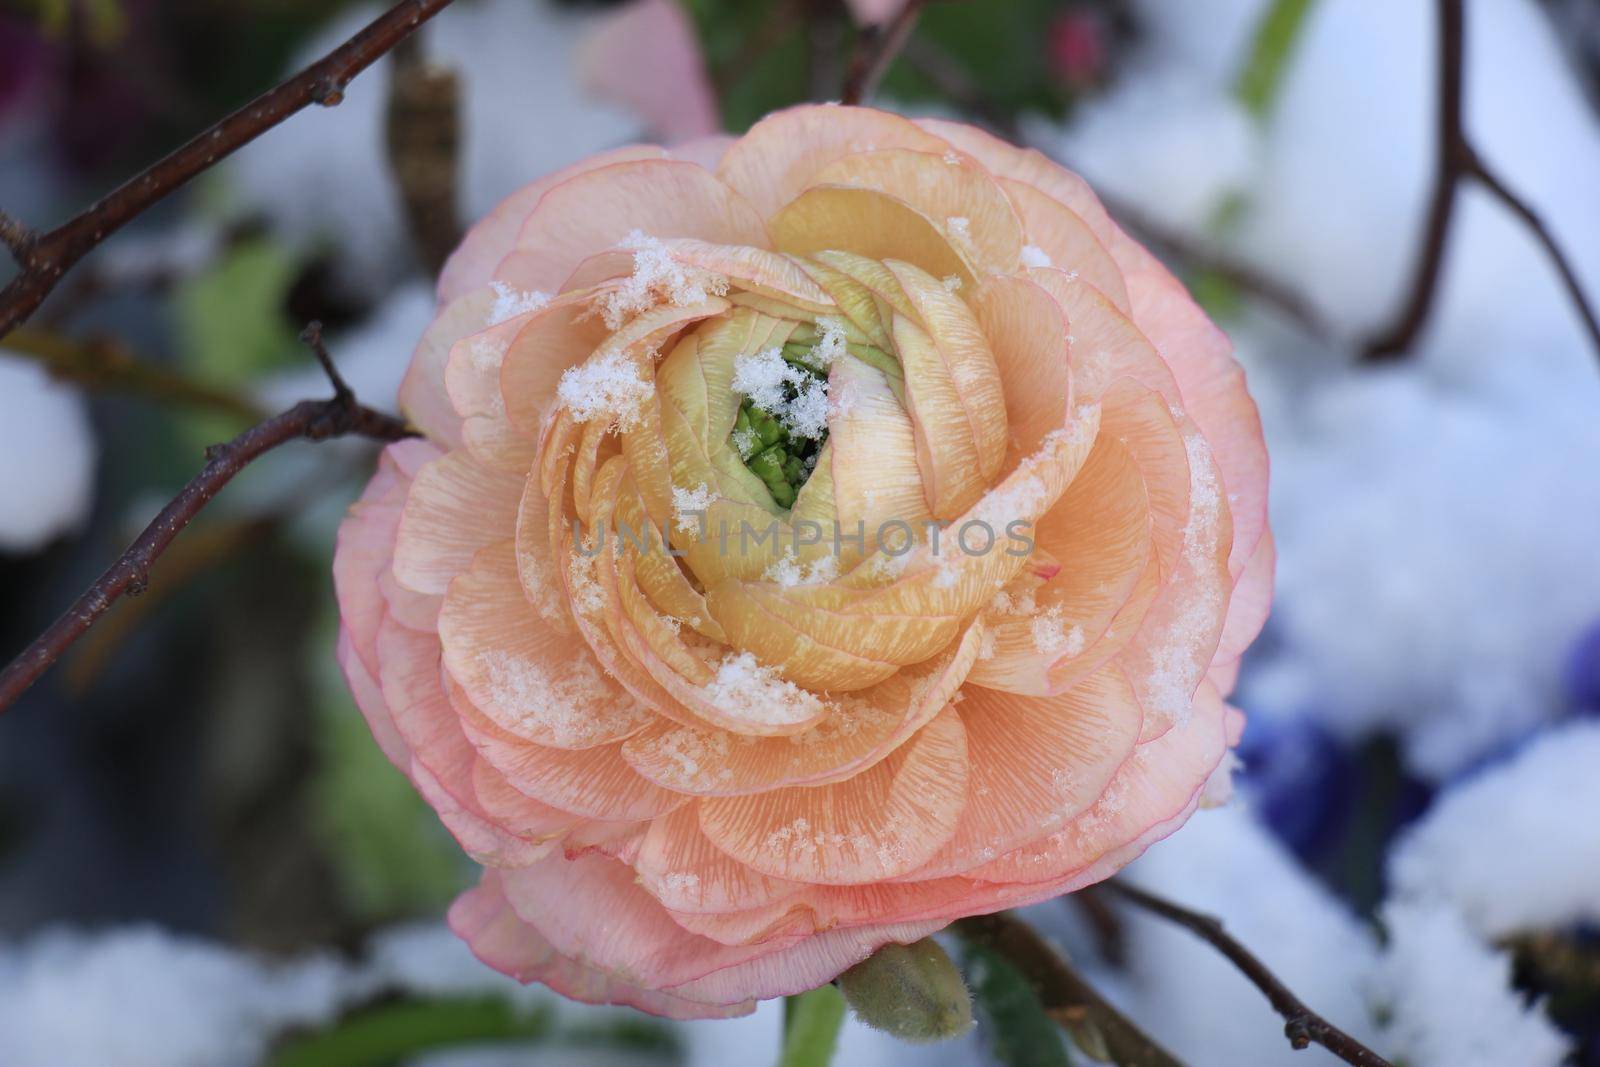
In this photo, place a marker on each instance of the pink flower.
(646, 58)
(1078, 47)
(698, 772)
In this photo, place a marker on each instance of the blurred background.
(204, 859)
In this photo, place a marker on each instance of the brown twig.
(1459, 161)
(312, 420)
(44, 258)
(875, 50)
(1196, 256)
(1095, 1025)
(1301, 1025)
(423, 134)
(105, 363)
(950, 78)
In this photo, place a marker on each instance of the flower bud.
(911, 991)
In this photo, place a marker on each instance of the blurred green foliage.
(811, 1024)
(1011, 1021)
(768, 54)
(392, 857)
(1261, 76)
(388, 1033)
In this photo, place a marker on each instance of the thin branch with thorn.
(45, 258)
(1302, 1026)
(875, 50)
(1069, 1001)
(312, 420)
(311, 337)
(1459, 161)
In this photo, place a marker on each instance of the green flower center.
(781, 426)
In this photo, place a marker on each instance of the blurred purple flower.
(1582, 677)
(1079, 46)
(22, 61)
(1299, 779)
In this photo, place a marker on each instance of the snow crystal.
(789, 571)
(608, 385)
(807, 414)
(1175, 669)
(689, 506)
(832, 342)
(951, 283)
(657, 278)
(746, 688)
(588, 595)
(745, 442)
(509, 303)
(1034, 256)
(960, 227)
(680, 882)
(1051, 635)
(763, 376)
(1009, 603)
(570, 700)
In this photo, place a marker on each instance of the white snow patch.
(510, 302)
(763, 376)
(748, 689)
(689, 506)
(47, 456)
(1034, 256)
(657, 278)
(1517, 847)
(608, 385)
(1449, 997)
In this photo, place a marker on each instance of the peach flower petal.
(492, 238)
(597, 210)
(782, 154)
(887, 820)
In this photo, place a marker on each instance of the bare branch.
(1066, 998)
(1301, 1025)
(1457, 161)
(1530, 218)
(311, 337)
(876, 50)
(45, 258)
(107, 364)
(1197, 256)
(944, 71)
(312, 420)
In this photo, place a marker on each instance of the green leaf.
(1273, 44)
(388, 1033)
(231, 319)
(231, 326)
(811, 1024)
(1010, 1017)
(389, 853)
